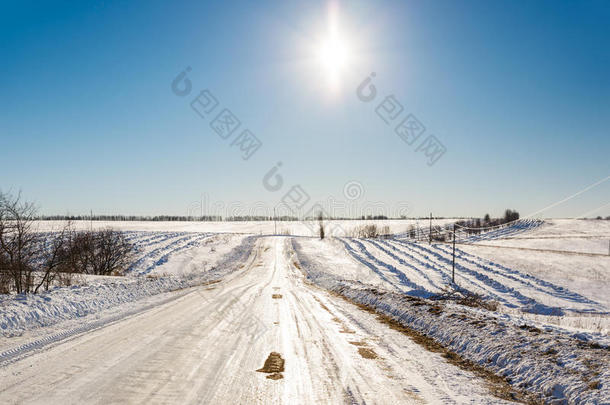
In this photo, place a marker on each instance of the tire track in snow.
(20, 351)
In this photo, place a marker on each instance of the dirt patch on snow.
(367, 353)
(273, 365)
(324, 307)
(276, 296)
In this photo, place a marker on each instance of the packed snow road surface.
(206, 346)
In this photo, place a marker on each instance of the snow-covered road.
(205, 347)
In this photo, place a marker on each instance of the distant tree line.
(205, 218)
(487, 221)
(128, 218)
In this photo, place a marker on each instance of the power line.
(570, 197)
(592, 211)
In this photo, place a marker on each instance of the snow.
(297, 228)
(417, 268)
(194, 318)
(206, 345)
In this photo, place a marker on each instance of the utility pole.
(453, 270)
(430, 233)
(274, 223)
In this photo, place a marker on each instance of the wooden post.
(453, 271)
(430, 233)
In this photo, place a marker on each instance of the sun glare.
(333, 51)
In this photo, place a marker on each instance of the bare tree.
(321, 225)
(5, 277)
(17, 241)
(385, 232)
(54, 256)
(112, 252)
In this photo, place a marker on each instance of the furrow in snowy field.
(426, 263)
(360, 259)
(190, 243)
(434, 284)
(147, 262)
(550, 296)
(145, 239)
(432, 263)
(390, 272)
(144, 249)
(527, 279)
(500, 290)
(475, 284)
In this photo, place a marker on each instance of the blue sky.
(518, 92)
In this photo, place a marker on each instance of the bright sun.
(333, 52)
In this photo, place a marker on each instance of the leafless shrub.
(367, 231)
(466, 298)
(385, 232)
(476, 301)
(104, 252)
